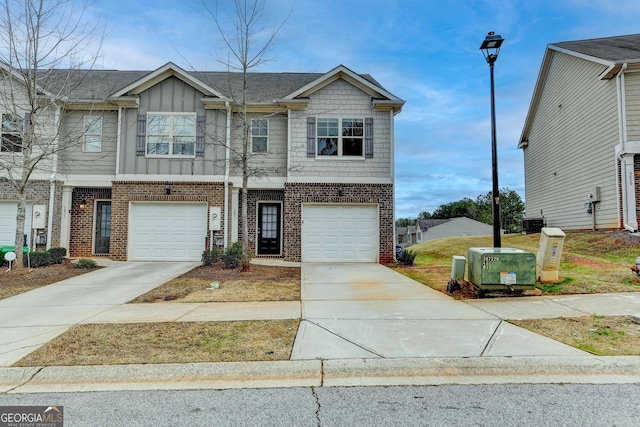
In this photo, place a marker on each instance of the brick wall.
(38, 194)
(297, 194)
(82, 217)
(124, 192)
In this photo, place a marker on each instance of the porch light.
(340, 190)
(83, 204)
(167, 188)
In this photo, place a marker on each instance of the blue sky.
(423, 51)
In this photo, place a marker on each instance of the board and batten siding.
(341, 99)
(571, 146)
(632, 103)
(73, 160)
(173, 95)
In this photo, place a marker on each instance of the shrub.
(233, 255)
(406, 257)
(37, 259)
(57, 255)
(210, 257)
(85, 263)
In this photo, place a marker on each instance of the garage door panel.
(339, 233)
(167, 231)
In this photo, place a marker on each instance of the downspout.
(628, 218)
(52, 180)
(118, 139)
(227, 154)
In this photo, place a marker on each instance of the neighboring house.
(430, 229)
(154, 179)
(581, 137)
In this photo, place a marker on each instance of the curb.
(324, 373)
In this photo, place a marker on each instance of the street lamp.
(490, 48)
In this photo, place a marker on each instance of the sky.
(425, 52)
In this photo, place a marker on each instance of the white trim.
(582, 55)
(235, 205)
(65, 217)
(338, 180)
(168, 177)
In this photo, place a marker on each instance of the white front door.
(167, 231)
(340, 233)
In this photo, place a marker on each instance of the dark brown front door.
(269, 217)
(103, 227)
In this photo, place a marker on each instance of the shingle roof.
(615, 49)
(99, 84)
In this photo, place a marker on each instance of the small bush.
(406, 257)
(233, 255)
(57, 255)
(37, 259)
(85, 263)
(210, 257)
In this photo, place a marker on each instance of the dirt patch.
(178, 342)
(602, 336)
(579, 261)
(262, 283)
(21, 280)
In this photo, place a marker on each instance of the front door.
(269, 217)
(103, 227)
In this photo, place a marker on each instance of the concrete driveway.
(29, 320)
(370, 311)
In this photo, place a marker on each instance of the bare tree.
(248, 41)
(46, 47)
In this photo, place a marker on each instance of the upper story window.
(340, 137)
(11, 139)
(260, 136)
(171, 134)
(92, 134)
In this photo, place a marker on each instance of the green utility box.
(501, 268)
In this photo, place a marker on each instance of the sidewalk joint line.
(490, 340)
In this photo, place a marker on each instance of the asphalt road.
(451, 405)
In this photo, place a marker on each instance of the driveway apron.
(361, 310)
(29, 320)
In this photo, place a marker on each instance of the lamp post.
(490, 48)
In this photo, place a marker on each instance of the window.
(259, 136)
(11, 140)
(171, 135)
(340, 137)
(92, 134)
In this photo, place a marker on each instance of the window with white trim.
(92, 134)
(340, 137)
(11, 138)
(171, 134)
(260, 136)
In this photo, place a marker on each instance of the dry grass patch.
(262, 283)
(20, 280)
(175, 342)
(602, 336)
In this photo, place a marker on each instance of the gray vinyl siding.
(571, 146)
(173, 96)
(274, 162)
(73, 160)
(340, 99)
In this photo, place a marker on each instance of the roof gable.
(160, 74)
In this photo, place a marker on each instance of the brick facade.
(124, 192)
(38, 194)
(297, 194)
(82, 219)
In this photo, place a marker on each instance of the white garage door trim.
(166, 231)
(8, 220)
(340, 233)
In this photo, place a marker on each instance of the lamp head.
(490, 47)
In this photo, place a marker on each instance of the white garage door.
(167, 231)
(8, 214)
(339, 233)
